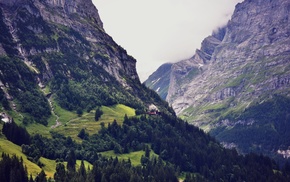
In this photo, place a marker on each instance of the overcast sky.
(159, 31)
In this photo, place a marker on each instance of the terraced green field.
(135, 157)
(72, 126)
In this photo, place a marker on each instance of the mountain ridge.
(71, 93)
(249, 66)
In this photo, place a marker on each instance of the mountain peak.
(245, 64)
(84, 8)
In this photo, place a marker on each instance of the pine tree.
(41, 177)
(60, 174)
(98, 114)
(82, 170)
(71, 161)
(30, 178)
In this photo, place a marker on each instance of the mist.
(156, 32)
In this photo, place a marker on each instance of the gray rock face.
(247, 58)
(75, 19)
(243, 64)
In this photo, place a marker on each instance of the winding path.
(57, 123)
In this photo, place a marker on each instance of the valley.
(74, 109)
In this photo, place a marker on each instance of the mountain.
(160, 79)
(73, 108)
(236, 86)
(61, 45)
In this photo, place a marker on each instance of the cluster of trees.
(111, 169)
(12, 169)
(104, 169)
(25, 91)
(267, 134)
(98, 114)
(15, 133)
(175, 141)
(3, 101)
(78, 84)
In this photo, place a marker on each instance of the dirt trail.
(57, 123)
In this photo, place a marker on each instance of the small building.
(153, 110)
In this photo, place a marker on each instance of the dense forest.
(180, 147)
(270, 117)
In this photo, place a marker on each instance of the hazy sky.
(159, 31)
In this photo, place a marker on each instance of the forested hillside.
(178, 147)
(73, 108)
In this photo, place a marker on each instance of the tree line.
(184, 146)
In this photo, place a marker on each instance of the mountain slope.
(61, 45)
(243, 67)
(158, 81)
(69, 92)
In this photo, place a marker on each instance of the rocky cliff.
(243, 66)
(55, 17)
(59, 47)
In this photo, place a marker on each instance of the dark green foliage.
(60, 174)
(71, 160)
(98, 114)
(113, 170)
(76, 79)
(268, 131)
(79, 112)
(29, 99)
(82, 171)
(15, 133)
(83, 135)
(41, 177)
(184, 146)
(36, 104)
(12, 169)
(3, 101)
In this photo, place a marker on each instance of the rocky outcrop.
(61, 46)
(241, 65)
(242, 60)
(78, 20)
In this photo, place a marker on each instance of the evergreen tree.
(30, 178)
(60, 174)
(41, 177)
(71, 160)
(82, 170)
(98, 114)
(12, 169)
(82, 134)
(15, 133)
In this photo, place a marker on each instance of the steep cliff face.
(60, 47)
(239, 68)
(48, 20)
(251, 62)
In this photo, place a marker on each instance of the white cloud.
(159, 31)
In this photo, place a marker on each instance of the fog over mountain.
(155, 32)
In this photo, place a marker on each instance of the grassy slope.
(87, 121)
(135, 157)
(50, 165)
(12, 149)
(71, 125)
